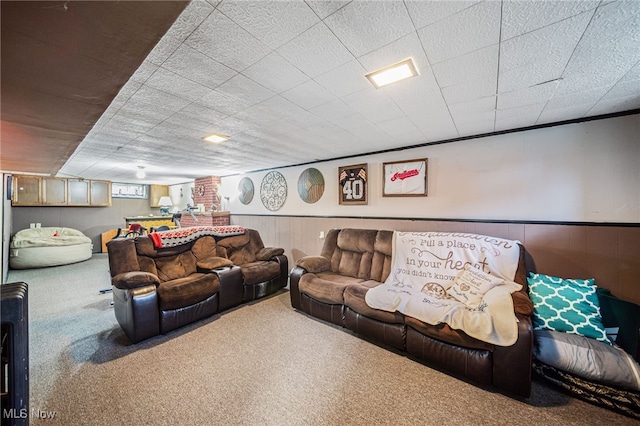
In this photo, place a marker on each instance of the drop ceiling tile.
(374, 105)
(190, 18)
(475, 107)
(275, 73)
(286, 110)
(233, 46)
(333, 111)
(531, 111)
(145, 71)
(527, 96)
(203, 113)
(163, 101)
(473, 28)
(544, 44)
(324, 8)
(623, 89)
(476, 124)
(590, 96)
(272, 22)
(607, 106)
(557, 115)
(364, 26)
(170, 82)
(309, 95)
(471, 66)
(224, 104)
(632, 74)
(183, 119)
(197, 67)
(607, 50)
(515, 122)
(402, 131)
(245, 89)
(425, 13)
(165, 48)
(520, 17)
(535, 73)
(471, 90)
(431, 116)
(316, 51)
(344, 80)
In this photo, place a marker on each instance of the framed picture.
(353, 184)
(405, 178)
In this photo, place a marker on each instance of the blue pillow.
(567, 305)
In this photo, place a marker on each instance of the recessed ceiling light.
(392, 73)
(215, 137)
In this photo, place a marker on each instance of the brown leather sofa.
(156, 291)
(332, 287)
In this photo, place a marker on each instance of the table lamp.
(165, 202)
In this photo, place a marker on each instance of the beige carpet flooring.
(262, 363)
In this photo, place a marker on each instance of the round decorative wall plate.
(273, 190)
(245, 188)
(310, 185)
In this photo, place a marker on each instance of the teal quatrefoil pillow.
(567, 305)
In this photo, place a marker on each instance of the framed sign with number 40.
(353, 184)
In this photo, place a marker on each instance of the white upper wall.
(584, 172)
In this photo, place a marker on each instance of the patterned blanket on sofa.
(424, 270)
(176, 237)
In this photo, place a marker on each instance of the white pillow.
(471, 284)
(587, 358)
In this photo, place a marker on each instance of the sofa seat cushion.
(187, 291)
(444, 333)
(259, 271)
(327, 287)
(354, 298)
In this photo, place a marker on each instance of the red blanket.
(176, 237)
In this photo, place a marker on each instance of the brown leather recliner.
(265, 270)
(159, 290)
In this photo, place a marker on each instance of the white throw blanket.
(425, 264)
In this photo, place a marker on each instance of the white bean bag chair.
(48, 246)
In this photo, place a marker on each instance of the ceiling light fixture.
(215, 137)
(140, 174)
(396, 72)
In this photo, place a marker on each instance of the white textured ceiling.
(285, 79)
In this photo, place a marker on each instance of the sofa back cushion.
(241, 249)
(122, 256)
(179, 266)
(354, 253)
(381, 265)
(173, 262)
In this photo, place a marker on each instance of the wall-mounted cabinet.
(49, 191)
(155, 192)
(100, 192)
(54, 191)
(26, 191)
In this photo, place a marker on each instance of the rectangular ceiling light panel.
(392, 73)
(214, 137)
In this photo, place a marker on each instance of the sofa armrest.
(211, 263)
(267, 253)
(314, 264)
(521, 303)
(134, 279)
(512, 364)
